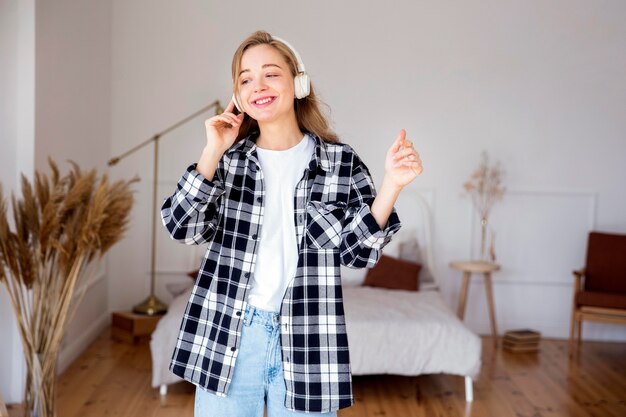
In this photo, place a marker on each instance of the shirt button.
(238, 313)
(247, 274)
(232, 349)
(254, 236)
(259, 199)
(300, 218)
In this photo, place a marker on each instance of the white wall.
(17, 83)
(58, 107)
(539, 85)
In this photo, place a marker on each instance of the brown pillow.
(394, 274)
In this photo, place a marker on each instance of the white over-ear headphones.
(301, 82)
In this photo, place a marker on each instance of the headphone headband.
(301, 68)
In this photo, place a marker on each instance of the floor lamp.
(152, 305)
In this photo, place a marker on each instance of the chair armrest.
(578, 275)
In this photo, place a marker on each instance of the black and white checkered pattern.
(334, 226)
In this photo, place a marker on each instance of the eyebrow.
(264, 66)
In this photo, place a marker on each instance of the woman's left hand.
(402, 163)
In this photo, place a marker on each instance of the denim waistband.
(256, 315)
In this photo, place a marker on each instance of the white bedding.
(389, 332)
(163, 340)
(407, 333)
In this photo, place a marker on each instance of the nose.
(259, 85)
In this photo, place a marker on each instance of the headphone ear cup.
(236, 104)
(302, 85)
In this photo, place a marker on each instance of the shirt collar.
(247, 145)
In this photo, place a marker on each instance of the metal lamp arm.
(218, 109)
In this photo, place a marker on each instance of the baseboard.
(592, 332)
(76, 347)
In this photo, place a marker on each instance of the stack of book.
(521, 340)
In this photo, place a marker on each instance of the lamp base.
(151, 306)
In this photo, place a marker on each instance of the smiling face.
(265, 85)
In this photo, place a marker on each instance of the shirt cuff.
(196, 187)
(369, 233)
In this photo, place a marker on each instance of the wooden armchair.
(600, 287)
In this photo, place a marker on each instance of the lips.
(264, 101)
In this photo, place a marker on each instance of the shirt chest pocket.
(324, 224)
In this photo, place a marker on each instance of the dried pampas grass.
(62, 227)
(485, 188)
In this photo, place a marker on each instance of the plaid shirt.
(334, 226)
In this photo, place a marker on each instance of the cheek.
(287, 90)
(244, 95)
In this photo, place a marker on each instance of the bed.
(390, 331)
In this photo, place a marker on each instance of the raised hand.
(402, 163)
(222, 130)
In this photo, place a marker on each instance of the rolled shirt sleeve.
(192, 213)
(362, 238)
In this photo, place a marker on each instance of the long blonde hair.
(307, 109)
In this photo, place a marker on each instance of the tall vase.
(39, 395)
(483, 239)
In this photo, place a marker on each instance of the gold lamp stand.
(152, 305)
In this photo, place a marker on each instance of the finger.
(236, 117)
(403, 153)
(411, 164)
(405, 161)
(216, 120)
(408, 158)
(220, 118)
(398, 142)
(231, 117)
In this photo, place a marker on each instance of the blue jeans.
(258, 375)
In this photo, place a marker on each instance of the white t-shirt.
(277, 255)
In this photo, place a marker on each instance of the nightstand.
(132, 328)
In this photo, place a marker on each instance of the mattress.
(407, 333)
(389, 332)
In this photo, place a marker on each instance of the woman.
(281, 204)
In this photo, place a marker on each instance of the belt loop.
(249, 314)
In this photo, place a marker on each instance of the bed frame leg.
(469, 389)
(163, 390)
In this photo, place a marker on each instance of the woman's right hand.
(222, 130)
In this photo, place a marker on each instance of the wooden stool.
(486, 268)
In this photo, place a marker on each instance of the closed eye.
(267, 75)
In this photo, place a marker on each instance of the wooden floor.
(113, 379)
